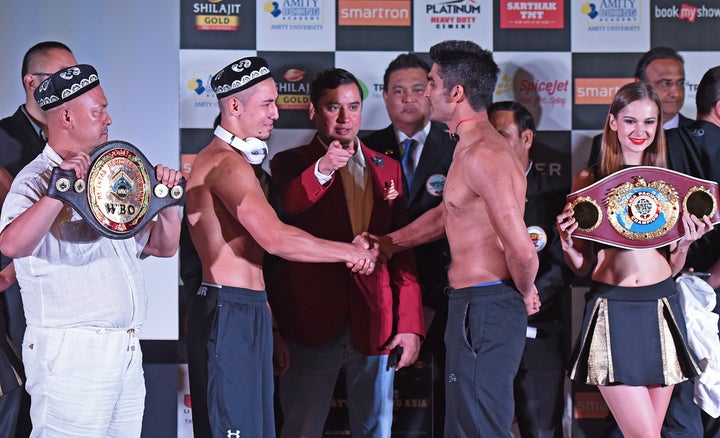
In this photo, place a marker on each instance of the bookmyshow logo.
(686, 12)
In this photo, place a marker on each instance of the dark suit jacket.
(433, 258)
(543, 204)
(19, 142)
(312, 301)
(698, 146)
(696, 152)
(19, 145)
(597, 141)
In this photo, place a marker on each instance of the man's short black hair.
(331, 79)
(708, 92)
(403, 61)
(523, 118)
(467, 64)
(39, 49)
(652, 55)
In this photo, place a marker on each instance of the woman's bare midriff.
(631, 268)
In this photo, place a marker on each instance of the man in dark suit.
(335, 188)
(539, 384)
(404, 86)
(700, 140)
(22, 138)
(701, 143)
(14, 401)
(22, 135)
(664, 70)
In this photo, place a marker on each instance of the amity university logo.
(295, 14)
(615, 15)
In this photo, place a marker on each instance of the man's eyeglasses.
(666, 84)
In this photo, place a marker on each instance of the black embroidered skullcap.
(240, 75)
(65, 85)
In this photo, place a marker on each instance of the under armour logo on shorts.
(453, 378)
(231, 434)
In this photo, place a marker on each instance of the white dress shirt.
(75, 277)
(672, 123)
(419, 137)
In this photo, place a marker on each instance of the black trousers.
(485, 337)
(230, 363)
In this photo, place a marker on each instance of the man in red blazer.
(336, 188)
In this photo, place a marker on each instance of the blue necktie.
(408, 163)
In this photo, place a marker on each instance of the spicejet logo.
(597, 91)
(590, 405)
(374, 13)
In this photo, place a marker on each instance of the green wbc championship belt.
(640, 207)
(120, 193)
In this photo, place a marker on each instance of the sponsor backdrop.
(563, 60)
(134, 45)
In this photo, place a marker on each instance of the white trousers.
(84, 382)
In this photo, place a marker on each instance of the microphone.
(454, 135)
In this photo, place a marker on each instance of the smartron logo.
(374, 13)
(597, 91)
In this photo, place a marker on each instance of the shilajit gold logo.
(216, 15)
(293, 92)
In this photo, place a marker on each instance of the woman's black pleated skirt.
(634, 336)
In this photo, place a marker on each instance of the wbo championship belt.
(120, 193)
(640, 207)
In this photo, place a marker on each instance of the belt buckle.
(120, 193)
(639, 207)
